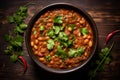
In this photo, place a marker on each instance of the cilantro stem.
(107, 53)
(20, 62)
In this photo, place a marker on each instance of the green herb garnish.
(61, 52)
(15, 39)
(71, 27)
(84, 31)
(75, 52)
(103, 59)
(50, 44)
(48, 57)
(14, 58)
(42, 28)
(57, 29)
(58, 19)
(51, 33)
(62, 36)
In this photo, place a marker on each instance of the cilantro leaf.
(18, 41)
(51, 33)
(107, 60)
(75, 52)
(79, 51)
(57, 29)
(48, 57)
(17, 19)
(84, 31)
(8, 49)
(22, 8)
(70, 42)
(71, 27)
(63, 36)
(58, 19)
(50, 44)
(14, 58)
(42, 28)
(61, 53)
(71, 53)
(23, 26)
(18, 30)
(10, 19)
(8, 37)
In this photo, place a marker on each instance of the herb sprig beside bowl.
(15, 39)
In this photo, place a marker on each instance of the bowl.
(59, 6)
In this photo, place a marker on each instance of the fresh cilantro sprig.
(103, 59)
(15, 39)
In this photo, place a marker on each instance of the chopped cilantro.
(42, 28)
(75, 52)
(58, 19)
(71, 53)
(63, 36)
(79, 51)
(84, 31)
(50, 44)
(71, 26)
(57, 29)
(61, 52)
(48, 57)
(51, 33)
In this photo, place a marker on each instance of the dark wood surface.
(105, 13)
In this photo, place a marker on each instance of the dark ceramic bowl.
(58, 6)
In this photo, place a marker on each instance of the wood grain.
(105, 13)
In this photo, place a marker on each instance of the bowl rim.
(37, 15)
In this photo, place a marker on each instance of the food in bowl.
(61, 38)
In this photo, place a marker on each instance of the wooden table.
(105, 13)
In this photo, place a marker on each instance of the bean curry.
(61, 39)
